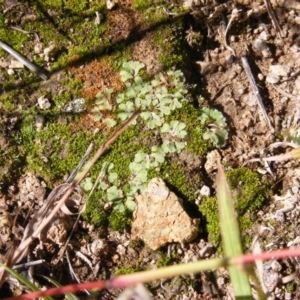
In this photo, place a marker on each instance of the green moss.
(53, 148)
(96, 214)
(290, 287)
(168, 37)
(136, 244)
(125, 270)
(209, 209)
(8, 102)
(151, 12)
(248, 189)
(178, 180)
(119, 220)
(249, 192)
(163, 262)
(10, 159)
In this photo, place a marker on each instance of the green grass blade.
(24, 280)
(231, 236)
(70, 296)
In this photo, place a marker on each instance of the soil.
(212, 54)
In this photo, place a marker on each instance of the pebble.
(159, 217)
(15, 64)
(260, 76)
(99, 247)
(262, 47)
(110, 4)
(44, 103)
(205, 191)
(272, 78)
(39, 122)
(38, 48)
(280, 70)
(10, 72)
(49, 51)
(121, 250)
(264, 35)
(297, 83)
(211, 161)
(207, 68)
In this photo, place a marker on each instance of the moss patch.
(249, 192)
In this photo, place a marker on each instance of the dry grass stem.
(24, 61)
(256, 91)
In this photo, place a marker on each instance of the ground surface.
(83, 45)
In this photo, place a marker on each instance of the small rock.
(211, 162)
(98, 18)
(206, 251)
(38, 48)
(159, 217)
(280, 70)
(260, 76)
(275, 265)
(39, 122)
(264, 35)
(15, 64)
(262, 47)
(75, 106)
(99, 247)
(297, 83)
(205, 191)
(10, 72)
(229, 59)
(44, 103)
(3, 63)
(270, 279)
(207, 68)
(110, 4)
(272, 78)
(188, 4)
(116, 258)
(49, 51)
(121, 250)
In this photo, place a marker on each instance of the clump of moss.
(177, 179)
(96, 214)
(249, 193)
(119, 220)
(165, 260)
(54, 148)
(125, 270)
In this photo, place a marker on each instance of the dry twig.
(24, 60)
(273, 17)
(233, 15)
(256, 91)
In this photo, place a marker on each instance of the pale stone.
(3, 63)
(159, 217)
(110, 4)
(38, 48)
(297, 83)
(10, 72)
(44, 103)
(39, 122)
(272, 78)
(212, 159)
(49, 51)
(280, 70)
(205, 191)
(15, 64)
